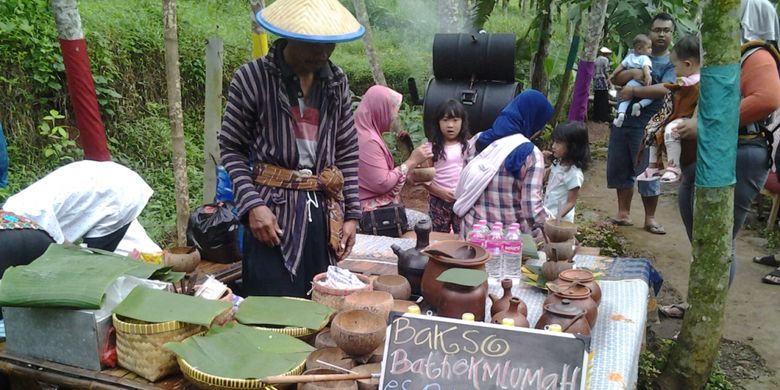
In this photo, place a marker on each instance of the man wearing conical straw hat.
(288, 141)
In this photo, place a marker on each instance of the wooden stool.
(775, 206)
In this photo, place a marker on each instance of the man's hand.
(686, 129)
(348, 231)
(262, 222)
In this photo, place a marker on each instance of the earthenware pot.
(334, 356)
(583, 277)
(559, 231)
(570, 317)
(411, 262)
(396, 285)
(328, 385)
(377, 302)
(422, 175)
(371, 368)
(182, 258)
(402, 306)
(332, 297)
(559, 251)
(500, 304)
(358, 332)
(578, 295)
(551, 269)
(324, 339)
(445, 255)
(455, 299)
(517, 311)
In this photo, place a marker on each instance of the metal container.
(72, 337)
(477, 56)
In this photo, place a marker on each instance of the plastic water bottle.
(500, 225)
(515, 225)
(476, 236)
(495, 245)
(513, 253)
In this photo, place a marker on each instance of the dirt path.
(752, 315)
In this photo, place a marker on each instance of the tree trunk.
(81, 86)
(579, 102)
(213, 115)
(259, 35)
(539, 79)
(173, 82)
(692, 357)
(563, 95)
(368, 42)
(505, 6)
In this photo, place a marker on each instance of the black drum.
(477, 56)
(483, 100)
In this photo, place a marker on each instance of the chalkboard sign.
(437, 353)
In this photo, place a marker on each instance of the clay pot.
(334, 298)
(324, 339)
(445, 255)
(456, 300)
(500, 304)
(402, 306)
(559, 251)
(551, 269)
(181, 258)
(396, 285)
(422, 175)
(411, 262)
(368, 384)
(559, 231)
(330, 355)
(570, 317)
(358, 332)
(583, 277)
(517, 311)
(329, 385)
(377, 355)
(579, 296)
(378, 302)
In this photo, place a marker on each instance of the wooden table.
(25, 371)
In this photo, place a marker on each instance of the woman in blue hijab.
(503, 178)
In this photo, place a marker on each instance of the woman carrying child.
(449, 145)
(571, 156)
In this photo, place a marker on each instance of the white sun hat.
(319, 21)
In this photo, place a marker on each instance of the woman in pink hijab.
(380, 180)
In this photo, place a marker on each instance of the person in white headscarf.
(759, 21)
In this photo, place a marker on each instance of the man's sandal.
(772, 277)
(767, 260)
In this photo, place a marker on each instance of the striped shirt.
(508, 199)
(258, 126)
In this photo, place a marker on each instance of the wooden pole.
(176, 116)
(213, 115)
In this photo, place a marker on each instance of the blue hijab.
(526, 114)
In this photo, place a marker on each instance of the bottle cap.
(467, 317)
(413, 309)
(508, 322)
(553, 328)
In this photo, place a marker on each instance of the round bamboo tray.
(298, 332)
(206, 381)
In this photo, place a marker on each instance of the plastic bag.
(213, 229)
(224, 186)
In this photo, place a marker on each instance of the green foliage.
(601, 234)
(652, 362)
(60, 146)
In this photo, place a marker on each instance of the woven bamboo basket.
(139, 346)
(206, 381)
(334, 298)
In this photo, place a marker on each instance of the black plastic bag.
(213, 229)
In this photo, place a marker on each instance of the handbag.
(387, 221)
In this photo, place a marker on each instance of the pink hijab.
(374, 116)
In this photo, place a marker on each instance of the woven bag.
(139, 346)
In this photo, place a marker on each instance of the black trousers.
(602, 111)
(108, 242)
(263, 270)
(21, 247)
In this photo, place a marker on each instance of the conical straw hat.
(321, 21)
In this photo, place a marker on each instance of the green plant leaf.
(283, 311)
(146, 304)
(48, 152)
(463, 276)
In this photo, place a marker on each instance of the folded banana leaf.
(260, 353)
(150, 305)
(71, 277)
(529, 246)
(283, 311)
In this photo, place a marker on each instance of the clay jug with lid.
(517, 311)
(500, 304)
(570, 317)
(447, 254)
(455, 299)
(583, 277)
(578, 295)
(412, 262)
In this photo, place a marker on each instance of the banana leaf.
(463, 276)
(283, 311)
(70, 277)
(261, 352)
(529, 246)
(150, 305)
